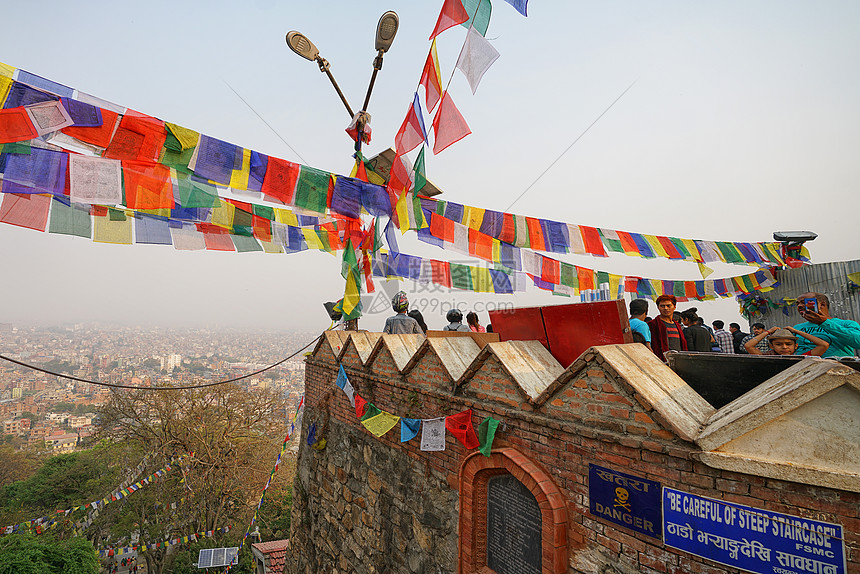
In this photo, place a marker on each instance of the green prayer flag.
(264, 212)
(243, 230)
(196, 193)
(245, 244)
(486, 434)
(371, 411)
(116, 214)
(69, 220)
(242, 218)
(312, 189)
(679, 289)
(420, 171)
(730, 252)
(440, 207)
(602, 277)
(172, 154)
(613, 245)
(567, 275)
(22, 148)
(479, 12)
(682, 249)
(350, 261)
(461, 277)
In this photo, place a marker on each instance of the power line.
(118, 386)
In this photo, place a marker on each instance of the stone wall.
(375, 505)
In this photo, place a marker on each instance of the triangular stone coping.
(790, 389)
(402, 348)
(335, 341)
(677, 403)
(455, 354)
(527, 363)
(363, 342)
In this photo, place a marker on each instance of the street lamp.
(386, 30)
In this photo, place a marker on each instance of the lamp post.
(386, 30)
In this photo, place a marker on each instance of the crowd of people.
(406, 322)
(821, 335)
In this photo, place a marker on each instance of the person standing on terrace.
(842, 334)
(666, 334)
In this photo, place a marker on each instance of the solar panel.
(217, 557)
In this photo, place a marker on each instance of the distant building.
(17, 392)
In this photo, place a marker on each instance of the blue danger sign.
(624, 499)
(751, 539)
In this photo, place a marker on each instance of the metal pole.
(324, 67)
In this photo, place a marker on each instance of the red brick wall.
(592, 418)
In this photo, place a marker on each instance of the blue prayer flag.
(409, 429)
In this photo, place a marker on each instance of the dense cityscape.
(54, 414)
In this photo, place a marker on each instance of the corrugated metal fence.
(828, 278)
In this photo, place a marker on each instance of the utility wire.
(304, 161)
(579, 137)
(117, 386)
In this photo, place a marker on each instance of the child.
(783, 341)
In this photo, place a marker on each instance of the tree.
(15, 464)
(27, 554)
(234, 435)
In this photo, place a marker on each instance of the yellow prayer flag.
(381, 423)
(312, 239)
(5, 86)
(187, 138)
(286, 217)
(351, 294)
(656, 245)
(854, 278)
(772, 249)
(497, 251)
(222, 216)
(402, 208)
(691, 247)
(6, 70)
(271, 247)
(656, 287)
(107, 231)
(704, 270)
(239, 178)
(614, 283)
(482, 281)
(474, 217)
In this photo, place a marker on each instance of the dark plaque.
(513, 527)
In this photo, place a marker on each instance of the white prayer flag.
(49, 117)
(95, 180)
(476, 57)
(187, 239)
(433, 434)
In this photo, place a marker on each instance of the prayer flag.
(67, 219)
(479, 12)
(147, 185)
(280, 180)
(40, 171)
(312, 189)
(380, 423)
(521, 6)
(420, 173)
(460, 425)
(431, 78)
(412, 132)
(137, 137)
(452, 14)
(98, 135)
(25, 210)
(345, 385)
(476, 57)
(409, 429)
(449, 126)
(433, 434)
(16, 126)
(360, 406)
(486, 434)
(49, 117)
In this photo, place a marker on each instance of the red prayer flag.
(449, 126)
(96, 135)
(400, 177)
(550, 270)
(280, 180)
(431, 79)
(360, 406)
(536, 241)
(137, 137)
(147, 185)
(441, 227)
(452, 14)
(585, 278)
(411, 133)
(628, 244)
(262, 228)
(670, 248)
(631, 284)
(690, 290)
(15, 126)
(441, 272)
(460, 425)
(591, 238)
(509, 229)
(25, 210)
(480, 245)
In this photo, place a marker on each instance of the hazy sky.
(744, 119)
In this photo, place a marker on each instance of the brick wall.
(367, 504)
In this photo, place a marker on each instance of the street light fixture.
(301, 45)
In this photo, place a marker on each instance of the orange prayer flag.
(536, 240)
(97, 135)
(15, 126)
(280, 180)
(137, 137)
(147, 185)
